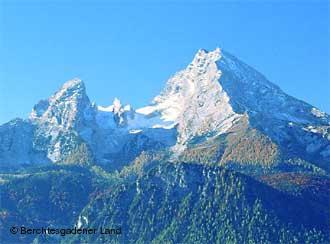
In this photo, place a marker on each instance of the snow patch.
(317, 113)
(135, 131)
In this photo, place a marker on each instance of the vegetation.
(184, 203)
(81, 155)
(155, 201)
(45, 196)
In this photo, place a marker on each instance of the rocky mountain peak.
(195, 100)
(206, 99)
(116, 105)
(203, 57)
(71, 90)
(66, 108)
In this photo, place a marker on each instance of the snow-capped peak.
(66, 108)
(202, 101)
(194, 100)
(73, 83)
(115, 115)
(69, 109)
(216, 89)
(71, 88)
(203, 57)
(116, 105)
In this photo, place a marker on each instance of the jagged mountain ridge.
(207, 100)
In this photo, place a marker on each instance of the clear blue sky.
(129, 50)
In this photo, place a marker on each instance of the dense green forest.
(162, 202)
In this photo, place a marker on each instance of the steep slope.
(221, 155)
(185, 203)
(216, 102)
(16, 144)
(157, 201)
(63, 120)
(299, 129)
(68, 123)
(217, 93)
(50, 196)
(194, 100)
(123, 133)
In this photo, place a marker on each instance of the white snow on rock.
(316, 112)
(135, 131)
(201, 101)
(194, 100)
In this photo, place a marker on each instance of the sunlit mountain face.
(221, 155)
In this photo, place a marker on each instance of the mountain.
(221, 155)
(217, 92)
(215, 97)
(155, 201)
(186, 203)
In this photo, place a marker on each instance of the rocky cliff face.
(216, 102)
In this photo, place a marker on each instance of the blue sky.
(128, 50)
